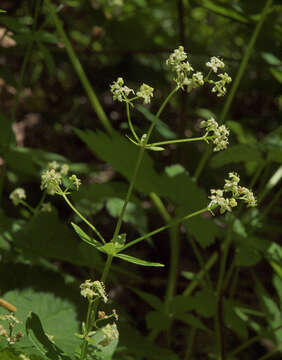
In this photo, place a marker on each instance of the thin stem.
(180, 141)
(82, 217)
(236, 82)
(209, 264)
(130, 122)
(106, 268)
(37, 209)
(80, 71)
(129, 192)
(162, 228)
(190, 343)
(31, 209)
(87, 328)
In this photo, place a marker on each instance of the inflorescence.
(237, 193)
(219, 134)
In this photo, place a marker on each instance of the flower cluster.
(177, 61)
(110, 333)
(17, 196)
(219, 135)
(8, 334)
(120, 92)
(215, 64)
(51, 179)
(220, 85)
(237, 193)
(145, 92)
(91, 289)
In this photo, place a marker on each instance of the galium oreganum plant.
(55, 180)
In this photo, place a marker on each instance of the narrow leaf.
(84, 236)
(137, 261)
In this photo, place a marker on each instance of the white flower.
(91, 289)
(145, 92)
(196, 81)
(110, 333)
(232, 185)
(17, 195)
(247, 196)
(53, 165)
(219, 86)
(217, 199)
(176, 57)
(215, 64)
(64, 169)
(119, 91)
(182, 68)
(75, 181)
(50, 180)
(219, 135)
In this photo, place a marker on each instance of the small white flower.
(64, 169)
(75, 181)
(50, 180)
(219, 86)
(247, 196)
(119, 91)
(17, 195)
(215, 64)
(176, 57)
(219, 135)
(145, 92)
(217, 199)
(232, 184)
(91, 289)
(53, 165)
(110, 333)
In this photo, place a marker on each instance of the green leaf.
(233, 321)
(39, 339)
(235, 154)
(58, 318)
(6, 133)
(224, 10)
(48, 58)
(150, 299)
(89, 240)
(157, 320)
(246, 256)
(180, 304)
(137, 261)
(191, 320)
(161, 126)
(277, 73)
(205, 303)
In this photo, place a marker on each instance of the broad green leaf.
(157, 320)
(151, 299)
(46, 236)
(85, 237)
(180, 304)
(246, 255)
(137, 261)
(235, 154)
(40, 340)
(233, 321)
(58, 318)
(205, 303)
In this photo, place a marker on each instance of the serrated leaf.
(89, 240)
(58, 318)
(137, 261)
(235, 154)
(39, 339)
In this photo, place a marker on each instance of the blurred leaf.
(150, 299)
(224, 10)
(48, 58)
(191, 320)
(246, 256)
(180, 304)
(137, 261)
(157, 320)
(7, 136)
(233, 321)
(205, 303)
(236, 153)
(277, 73)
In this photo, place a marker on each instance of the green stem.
(106, 268)
(88, 329)
(82, 217)
(37, 209)
(190, 343)
(129, 192)
(79, 70)
(164, 227)
(180, 141)
(236, 82)
(209, 264)
(31, 209)
(138, 163)
(130, 123)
